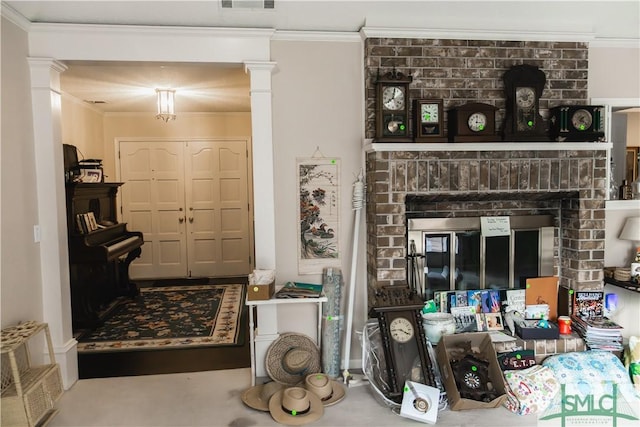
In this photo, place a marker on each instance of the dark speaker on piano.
(71, 165)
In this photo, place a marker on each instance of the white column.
(52, 218)
(263, 179)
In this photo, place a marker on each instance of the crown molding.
(13, 16)
(426, 33)
(151, 30)
(616, 43)
(317, 36)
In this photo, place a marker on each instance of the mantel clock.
(523, 86)
(392, 107)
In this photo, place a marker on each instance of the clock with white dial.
(393, 98)
(401, 329)
(477, 122)
(428, 120)
(392, 107)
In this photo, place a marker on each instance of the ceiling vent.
(247, 4)
(97, 101)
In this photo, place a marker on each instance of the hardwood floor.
(149, 362)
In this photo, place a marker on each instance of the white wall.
(20, 268)
(613, 71)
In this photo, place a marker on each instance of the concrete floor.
(212, 398)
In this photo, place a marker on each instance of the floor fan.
(357, 203)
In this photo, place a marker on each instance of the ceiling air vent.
(97, 101)
(248, 4)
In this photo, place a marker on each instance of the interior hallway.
(212, 398)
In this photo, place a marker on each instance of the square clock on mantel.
(428, 120)
(472, 122)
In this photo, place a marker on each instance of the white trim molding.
(434, 33)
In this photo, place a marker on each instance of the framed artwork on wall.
(318, 218)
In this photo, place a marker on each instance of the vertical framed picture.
(319, 219)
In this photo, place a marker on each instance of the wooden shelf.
(635, 287)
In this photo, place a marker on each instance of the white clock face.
(401, 329)
(393, 98)
(581, 119)
(525, 97)
(429, 113)
(477, 122)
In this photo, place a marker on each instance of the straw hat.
(257, 397)
(329, 391)
(292, 357)
(295, 406)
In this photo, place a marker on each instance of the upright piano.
(98, 260)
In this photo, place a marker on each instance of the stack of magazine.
(599, 334)
(299, 290)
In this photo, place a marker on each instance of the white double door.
(190, 199)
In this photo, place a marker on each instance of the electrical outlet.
(36, 233)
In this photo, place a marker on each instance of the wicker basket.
(28, 392)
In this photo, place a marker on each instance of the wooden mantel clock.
(403, 339)
(392, 107)
(523, 86)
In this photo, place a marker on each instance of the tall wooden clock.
(392, 107)
(523, 86)
(403, 340)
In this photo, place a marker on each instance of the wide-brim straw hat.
(329, 391)
(257, 397)
(295, 406)
(292, 357)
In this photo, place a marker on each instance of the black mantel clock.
(392, 107)
(403, 339)
(523, 86)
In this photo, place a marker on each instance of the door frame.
(246, 139)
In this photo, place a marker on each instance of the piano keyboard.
(122, 244)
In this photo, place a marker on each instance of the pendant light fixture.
(166, 105)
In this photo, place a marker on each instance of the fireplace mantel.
(370, 146)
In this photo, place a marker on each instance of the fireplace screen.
(453, 254)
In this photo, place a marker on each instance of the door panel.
(216, 177)
(153, 197)
(191, 201)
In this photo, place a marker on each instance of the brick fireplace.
(567, 181)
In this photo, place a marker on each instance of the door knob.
(191, 219)
(181, 220)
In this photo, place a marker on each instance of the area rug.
(171, 317)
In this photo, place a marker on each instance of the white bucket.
(437, 324)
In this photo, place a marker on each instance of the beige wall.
(317, 103)
(614, 72)
(82, 126)
(21, 287)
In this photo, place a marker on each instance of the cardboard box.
(480, 342)
(543, 290)
(260, 292)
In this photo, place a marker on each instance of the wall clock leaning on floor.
(404, 344)
(523, 86)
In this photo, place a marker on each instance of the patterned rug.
(171, 317)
